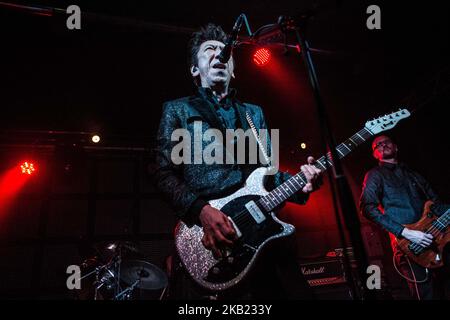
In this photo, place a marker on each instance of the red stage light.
(11, 182)
(27, 167)
(261, 57)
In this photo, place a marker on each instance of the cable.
(414, 276)
(405, 277)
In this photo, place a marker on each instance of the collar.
(207, 93)
(391, 166)
(206, 110)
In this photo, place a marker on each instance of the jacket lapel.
(207, 112)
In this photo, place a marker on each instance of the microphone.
(225, 54)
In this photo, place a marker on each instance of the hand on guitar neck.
(419, 237)
(312, 175)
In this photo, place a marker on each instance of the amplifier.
(325, 271)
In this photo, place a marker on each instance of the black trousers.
(276, 275)
(433, 284)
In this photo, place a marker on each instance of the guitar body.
(430, 257)
(222, 274)
(251, 211)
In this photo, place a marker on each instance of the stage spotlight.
(27, 168)
(95, 138)
(303, 145)
(261, 57)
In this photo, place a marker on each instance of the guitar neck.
(443, 221)
(298, 181)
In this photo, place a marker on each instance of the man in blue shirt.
(392, 196)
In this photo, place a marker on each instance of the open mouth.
(219, 65)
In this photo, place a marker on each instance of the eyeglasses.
(381, 143)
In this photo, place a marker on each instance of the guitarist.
(188, 187)
(393, 195)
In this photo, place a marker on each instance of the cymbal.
(149, 276)
(121, 245)
(108, 250)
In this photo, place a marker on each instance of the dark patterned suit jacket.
(188, 186)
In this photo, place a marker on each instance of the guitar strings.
(432, 229)
(415, 245)
(361, 135)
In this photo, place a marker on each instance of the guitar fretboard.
(298, 181)
(442, 222)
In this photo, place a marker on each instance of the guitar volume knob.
(216, 270)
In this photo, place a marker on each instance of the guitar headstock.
(387, 121)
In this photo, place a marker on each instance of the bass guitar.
(435, 221)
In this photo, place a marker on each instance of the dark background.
(113, 75)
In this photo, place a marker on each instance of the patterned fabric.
(188, 186)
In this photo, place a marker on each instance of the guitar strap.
(258, 140)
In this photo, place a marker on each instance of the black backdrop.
(113, 75)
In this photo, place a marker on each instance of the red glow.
(27, 168)
(261, 57)
(285, 77)
(11, 182)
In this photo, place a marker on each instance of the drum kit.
(118, 272)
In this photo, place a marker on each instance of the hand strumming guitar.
(218, 230)
(419, 237)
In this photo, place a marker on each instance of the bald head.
(384, 149)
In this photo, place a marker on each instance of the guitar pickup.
(255, 212)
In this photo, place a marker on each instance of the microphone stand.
(339, 185)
